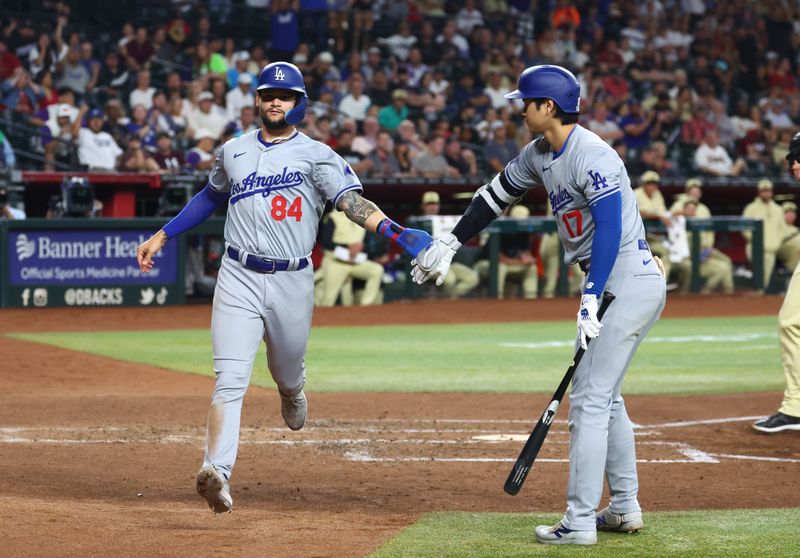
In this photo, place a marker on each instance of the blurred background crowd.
(399, 87)
(693, 91)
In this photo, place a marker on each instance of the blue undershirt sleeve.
(199, 208)
(607, 215)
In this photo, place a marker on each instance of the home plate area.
(420, 440)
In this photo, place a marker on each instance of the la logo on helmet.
(279, 76)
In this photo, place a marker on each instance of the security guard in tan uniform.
(652, 206)
(550, 254)
(765, 209)
(715, 267)
(789, 252)
(346, 261)
(788, 415)
(461, 278)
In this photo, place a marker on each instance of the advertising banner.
(85, 258)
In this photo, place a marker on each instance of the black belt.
(584, 265)
(267, 265)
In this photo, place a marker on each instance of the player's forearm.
(199, 208)
(360, 210)
(607, 216)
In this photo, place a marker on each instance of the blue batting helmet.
(549, 82)
(283, 75)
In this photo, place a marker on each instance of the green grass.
(736, 355)
(750, 533)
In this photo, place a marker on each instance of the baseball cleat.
(558, 534)
(619, 522)
(212, 486)
(294, 410)
(777, 423)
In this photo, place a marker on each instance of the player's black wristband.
(476, 218)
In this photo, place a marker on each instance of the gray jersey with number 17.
(278, 192)
(585, 171)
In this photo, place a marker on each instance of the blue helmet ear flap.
(296, 115)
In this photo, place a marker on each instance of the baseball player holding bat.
(788, 415)
(276, 182)
(599, 224)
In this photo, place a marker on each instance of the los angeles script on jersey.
(559, 198)
(264, 185)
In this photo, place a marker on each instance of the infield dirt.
(99, 456)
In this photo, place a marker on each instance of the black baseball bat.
(531, 448)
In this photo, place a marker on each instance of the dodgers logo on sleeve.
(598, 181)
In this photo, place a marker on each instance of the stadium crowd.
(415, 88)
(680, 87)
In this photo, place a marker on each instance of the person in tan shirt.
(764, 208)
(788, 415)
(789, 252)
(346, 261)
(652, 206)
(715, 266)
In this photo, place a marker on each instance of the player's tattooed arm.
(359, 210)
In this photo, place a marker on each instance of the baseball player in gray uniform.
(276, 182)
(599, 224)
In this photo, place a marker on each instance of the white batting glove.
(434, 261)
(588, 324)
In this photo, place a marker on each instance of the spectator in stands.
(461, 159)
(19, 94)
(495, 90)
(49, 91)
(365, 142)
(431, 163)
(142, 126)
(7, 157)
(355, 103)
(116, 124)
(143, 93)
(139, 50)
(344, 147)
(401, 43)
(112, 79)
(9, 61)
(168, 159)
(382, 161)
(390, 116)
(57, 138)
(247, 121)
(71, 73)
(46, 56)
(240, 96)
(637, 125)
(137, 159)
(207, 116)
(97, 150)
(500, 149)
(713, 159)
(284, 29)
(7, 211)
(764, 208)
(601, 125)
(200, 157)
(408, 145)
(89, 62)
(209, 63)
(240, 61)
